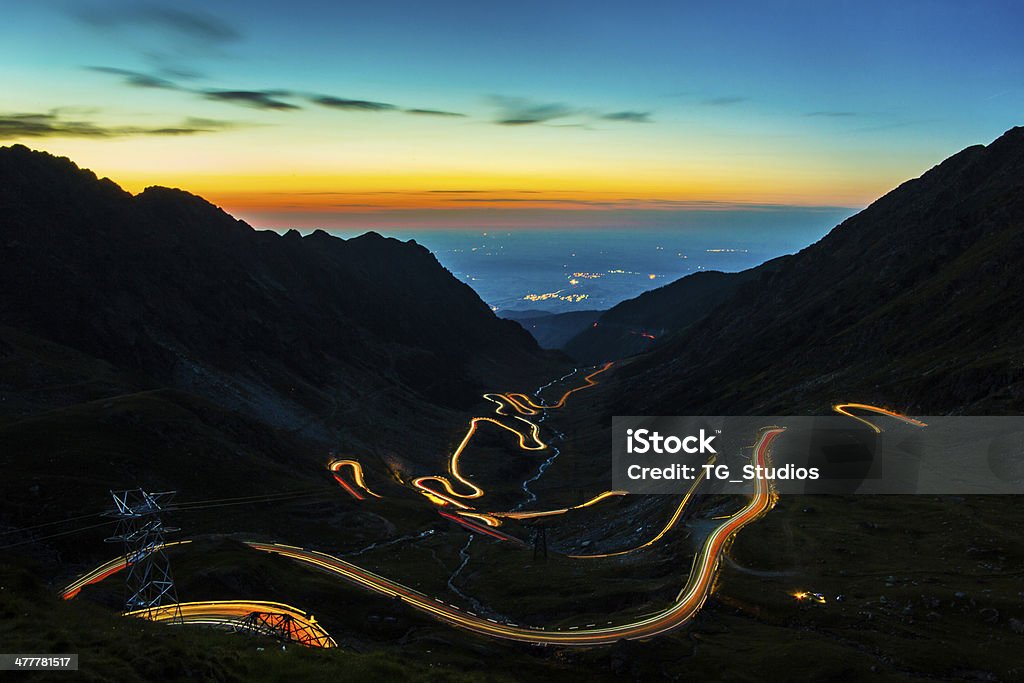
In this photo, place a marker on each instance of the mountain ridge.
(96, 237)
(884, 307)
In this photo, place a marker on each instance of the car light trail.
(103, 571)
(527, 432)
(699, 584)
(560, 511)
(690, 599)
(476, 528)
(527, 406)
(528, 441)
(843, 409)
(302, 627)
(485, 518)
(357, 474)
(676, 516)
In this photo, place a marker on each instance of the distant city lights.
(547, 296)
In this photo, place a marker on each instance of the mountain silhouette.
(914, 301)
(170, 287)
(153, 340)
(635, 325)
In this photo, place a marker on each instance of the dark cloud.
(726, 101)
(635, 203)
(258, 99)
(629, 116)
(54, 124)
(433, 112)
(192, 25)
(184, 73)
(355, 105)
(193, 125)
(135, 79)
(832, 114)
(44, 125)
(518, 111)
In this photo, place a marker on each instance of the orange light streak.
(841, 408)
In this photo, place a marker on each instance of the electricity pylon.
(148, 580)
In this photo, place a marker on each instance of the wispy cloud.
(258, 99)
(629, 116)
(191, 25)
(136, 79)
(271, 99)
(519, 111)
(433, 112)
(725, 101)
(636, 203)
(162, 34)
(356, 105)
(55, 124)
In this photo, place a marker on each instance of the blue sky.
(339, 113)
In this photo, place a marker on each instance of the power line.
(183, 507)
(62, 533)
(252, 502)
(45, 524)
(280, 494)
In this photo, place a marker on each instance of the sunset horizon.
(307, 120)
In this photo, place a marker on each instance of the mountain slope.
(155, 341)
(915, 300)
(553, 330)
(634, 325)
(169, 286)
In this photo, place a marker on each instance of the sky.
(562, 114)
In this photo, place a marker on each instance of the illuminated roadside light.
(652, 276)
(807, 596)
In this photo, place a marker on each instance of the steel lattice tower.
(148, 580)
